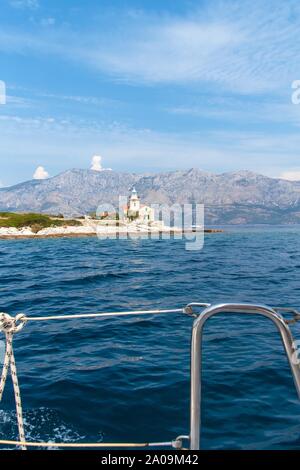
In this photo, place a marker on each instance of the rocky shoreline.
(89, 231)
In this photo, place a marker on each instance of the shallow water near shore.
(127, 379)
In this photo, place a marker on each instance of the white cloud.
(96, 163)
(40, 173)
(293, 175)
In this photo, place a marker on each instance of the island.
(133, 219)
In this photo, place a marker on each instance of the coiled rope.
(9, 326)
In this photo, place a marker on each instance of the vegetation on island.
(36, 222)
(104, 215)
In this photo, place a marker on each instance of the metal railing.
(201, 312)
(196, 354)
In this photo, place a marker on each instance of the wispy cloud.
(228, 109)
(245, 46)
(211, 87)
(174, 51)
(85, 100)
(143, 149)
(18, 101)
(32, 4)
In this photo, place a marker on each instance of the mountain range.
(241, 197)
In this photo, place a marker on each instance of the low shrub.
(35, 221)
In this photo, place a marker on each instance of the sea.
(127, 379)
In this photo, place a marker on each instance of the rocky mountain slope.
(229, 198)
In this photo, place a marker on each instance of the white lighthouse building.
(135, 211)
(134, 202)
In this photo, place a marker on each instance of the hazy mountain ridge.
(237, 197)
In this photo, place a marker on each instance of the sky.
(149, 85)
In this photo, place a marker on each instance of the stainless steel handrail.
(196, 355)
(201, 312)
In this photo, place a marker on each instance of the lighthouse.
(137, 212)
(134, 203)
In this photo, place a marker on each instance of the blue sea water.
(127, 379)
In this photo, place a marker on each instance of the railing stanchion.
(196, 355)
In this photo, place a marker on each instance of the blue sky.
(149, 85)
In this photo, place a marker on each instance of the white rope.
(10, 326)
(102, 445)
(108, 314)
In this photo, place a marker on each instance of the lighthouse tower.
(134, 202)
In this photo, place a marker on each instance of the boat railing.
(196, 352)
(201, 312)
